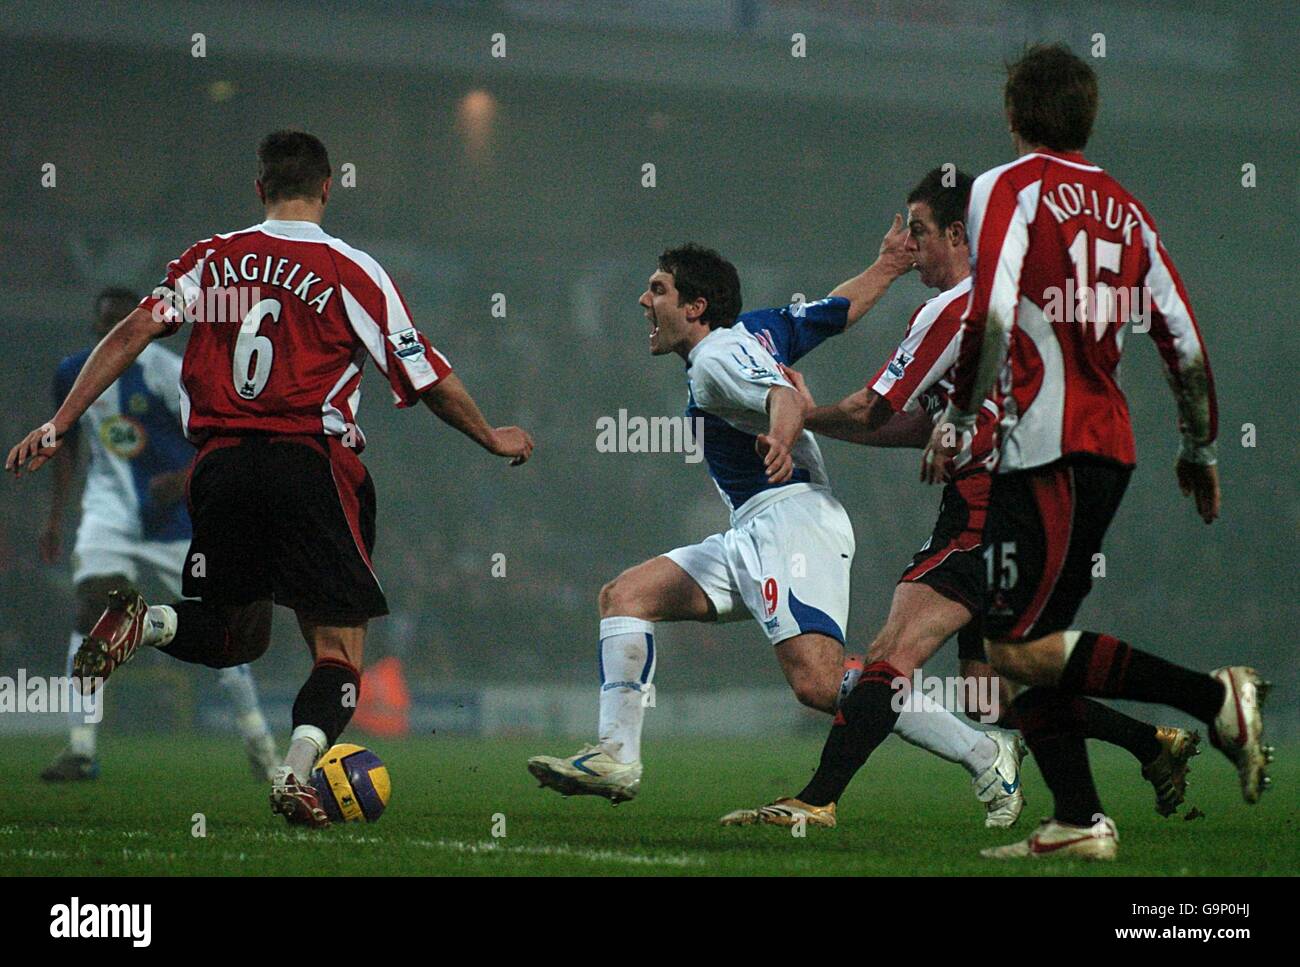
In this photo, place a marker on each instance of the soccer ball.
(352, 783)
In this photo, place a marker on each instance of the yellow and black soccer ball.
(352, 783)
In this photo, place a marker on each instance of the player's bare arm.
(450, 402)
(109, 360)
(785, 414)
(864, 290)
(862, 417)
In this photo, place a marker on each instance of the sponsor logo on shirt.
(754, 370)
(406, 343)
(123, 437)
(899, 364)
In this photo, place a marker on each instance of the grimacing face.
(929, 246)
(669, 322)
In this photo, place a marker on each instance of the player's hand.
(513, 442)
(778, 461)
(1200, 482)
(50, 543)
(801, 387)
(936, 461)
(894, 256)
(34, 451)
(168, 488)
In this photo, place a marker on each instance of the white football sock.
(81, 734)
(627, 669)
(928, 725)
(306, 746)
(238, 685)
(159, 626)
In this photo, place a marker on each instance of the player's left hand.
(936, 461)
(1200, 482)
(168, 488)
(34, 451)
(894, 256)
(778, 461)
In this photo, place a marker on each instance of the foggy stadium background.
(522, 175)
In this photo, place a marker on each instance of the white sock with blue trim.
(933, 728)
(627, 669)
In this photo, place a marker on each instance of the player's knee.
(815, 693)
(619, 597)
(605, 600)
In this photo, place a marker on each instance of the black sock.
(328, 698)
(1103, 723)
(202, 637)
(1051, 726)
(864, 720)
(1106, 667)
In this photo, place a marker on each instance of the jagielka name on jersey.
(281, 272)
(309, 310)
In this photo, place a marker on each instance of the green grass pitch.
(906, 813)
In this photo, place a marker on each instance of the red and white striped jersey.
(1063, 260)
(919, 374)
(284, 317)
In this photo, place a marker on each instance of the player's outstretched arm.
(109, 360)
(863, 417)
(864, 290)
(450, 402)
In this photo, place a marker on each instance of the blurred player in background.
(941, 591)
(133, 517)
(283, 509)
(787, 557)
(1064, 258)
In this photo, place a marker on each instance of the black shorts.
(290, 518)
(1044, 526)
(950, 561)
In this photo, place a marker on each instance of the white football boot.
(1237, 729)
(1099, 841)
(998, 786)
(591, 772)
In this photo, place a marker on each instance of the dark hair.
(291, 164)
(947, 202)
(1051, 96)
(701, 273)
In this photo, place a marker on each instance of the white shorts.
(786, 563)
(102, 549)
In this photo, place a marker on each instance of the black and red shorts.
(950, 561)
(290, 518)
(1043, 529)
